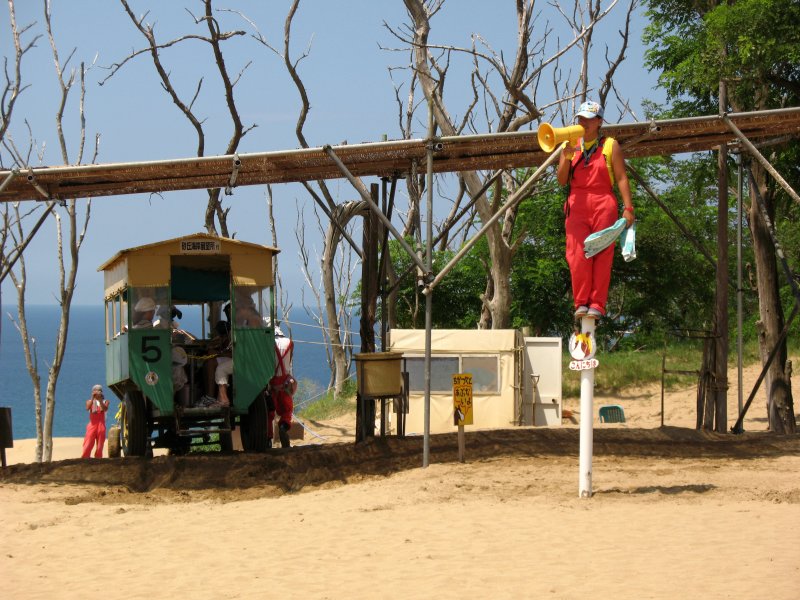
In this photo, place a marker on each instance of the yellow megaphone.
(550, 137)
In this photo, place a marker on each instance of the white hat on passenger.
(145, 304)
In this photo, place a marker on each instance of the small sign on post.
(462, 407)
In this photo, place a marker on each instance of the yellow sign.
(462, 399)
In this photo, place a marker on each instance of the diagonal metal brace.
(518, 196)
(760, 158)
(11, 174)
(365, 195)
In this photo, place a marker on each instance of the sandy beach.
(676, 513)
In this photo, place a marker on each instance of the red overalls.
(95, 432)
(284, 405)
(590, 207)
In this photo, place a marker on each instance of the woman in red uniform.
(282, 387)
(591, 207)
(97, 406)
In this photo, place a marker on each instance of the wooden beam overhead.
(382, 159)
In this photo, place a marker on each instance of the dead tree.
(66, 216)
(215, 213)
(338, 214)
(508, 109)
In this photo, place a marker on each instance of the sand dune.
(676, 513)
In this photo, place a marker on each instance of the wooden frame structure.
(396, 159)
(383, 159)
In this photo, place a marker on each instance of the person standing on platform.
(590, 170)
(97, 406)
(282, 387)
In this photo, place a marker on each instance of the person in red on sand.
(97, 406)
(282, 387)
(590, 171)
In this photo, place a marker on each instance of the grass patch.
(330, 405)
(632, 368)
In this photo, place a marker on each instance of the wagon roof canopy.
(186, 245)
(385, 159)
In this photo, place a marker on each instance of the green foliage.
(752, 44)
(456, 300)
(330, 405)
(540, 279)
(634, 369)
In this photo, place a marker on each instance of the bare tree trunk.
(780, 403)
(342, 213)
(777, 384)
(500, 252)
(216, 36)
(28, 344)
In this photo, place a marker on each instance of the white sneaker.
(581, 311)
(594, 313)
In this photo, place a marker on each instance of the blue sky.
(346, 76)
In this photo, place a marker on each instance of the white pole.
(587, 416)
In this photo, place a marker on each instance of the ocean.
(84, 365)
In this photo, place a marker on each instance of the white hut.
(516, 379)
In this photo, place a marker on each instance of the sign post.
(462, 407)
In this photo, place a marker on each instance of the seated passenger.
(180, 387)
(165, 318)
(248, 317)
(218, 368)
(143, 312)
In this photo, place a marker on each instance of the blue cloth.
(600, 240)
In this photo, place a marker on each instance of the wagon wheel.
(113, 441)
(254, 432)
(226, 441)
(133, 422)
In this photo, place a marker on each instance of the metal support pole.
(364, 193)
(518, 197)
(426, 444)
(760, 158)
(739, 309)
(722, 281)
(587, 420)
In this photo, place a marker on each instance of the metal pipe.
(738, 427)
(334, 221)
(11, 174)
(739, 309)
(426, 444)
(12, 260)
(760, 158)
(643, 184)
(365, 195)
(452, 224)
(518, 196)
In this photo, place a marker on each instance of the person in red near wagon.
(591, 170)
(282, 387)
(97, 406)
